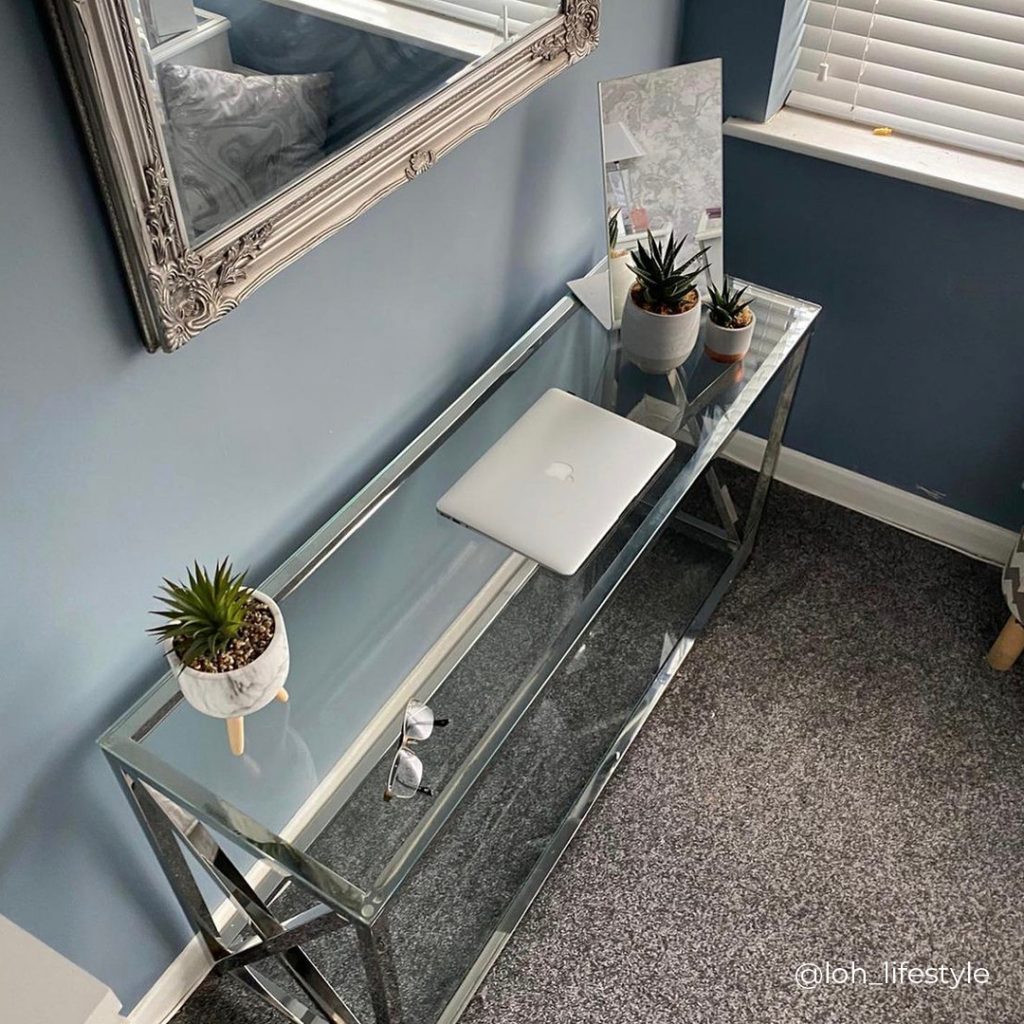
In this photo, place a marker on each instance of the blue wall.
(118, 467)
(745, 34)
(916, 374)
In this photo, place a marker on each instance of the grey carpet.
(835, 776)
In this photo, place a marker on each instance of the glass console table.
(334, 905)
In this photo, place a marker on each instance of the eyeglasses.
(406, 775)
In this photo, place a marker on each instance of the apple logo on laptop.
(560, 471)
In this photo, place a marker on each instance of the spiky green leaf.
(664, 282)
(201, 617)
(727, 304)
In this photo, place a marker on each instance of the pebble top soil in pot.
(684, 305)
(251, 640)
(727, 308)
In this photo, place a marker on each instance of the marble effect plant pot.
(657, 342)
(235, 694)
(728, 344)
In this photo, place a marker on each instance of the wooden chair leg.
(282, 695)
(236, 735)
(1008, 646)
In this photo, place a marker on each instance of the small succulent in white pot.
(661, 319)
(730, 324)
(226, 643)
(619, 271)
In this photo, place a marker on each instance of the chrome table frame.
(180, 817)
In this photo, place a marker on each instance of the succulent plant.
(664, 286)
(726, 306)
(204, 615)
(613, 229)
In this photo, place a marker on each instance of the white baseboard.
(902, 509)
(186, 973)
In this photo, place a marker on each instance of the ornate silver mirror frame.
(179, 290)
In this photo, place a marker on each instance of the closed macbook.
(558, 480)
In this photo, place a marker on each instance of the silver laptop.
(558, 480)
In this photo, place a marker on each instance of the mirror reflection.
(662, 148)
(255, 93)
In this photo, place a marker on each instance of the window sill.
(988, 178)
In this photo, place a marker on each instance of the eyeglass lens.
(407, 775)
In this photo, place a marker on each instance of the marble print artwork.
(676, 117)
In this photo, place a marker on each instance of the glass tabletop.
(390, 601)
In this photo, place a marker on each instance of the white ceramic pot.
(655, 342)
(728, 344)
(242, 690)
(622, 280)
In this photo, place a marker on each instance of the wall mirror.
(231, 138)
(662, 148)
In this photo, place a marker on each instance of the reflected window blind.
(947, 70)
(493, 15)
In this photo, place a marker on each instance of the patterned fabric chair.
(1010, 642)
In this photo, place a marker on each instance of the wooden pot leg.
(236, 735)
(1008, 646)
(282, 695)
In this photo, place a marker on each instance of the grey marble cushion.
(235, 139)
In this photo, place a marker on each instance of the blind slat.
(521, 10)
(929, 62)
(948, 71)
(487, 14)
(1002, 6)
(934, 14)
(1005, 102)
(910, 33)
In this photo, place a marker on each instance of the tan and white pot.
(622, 280)
(728, 344)
(235, 694)
(657, 342)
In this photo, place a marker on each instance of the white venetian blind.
(947, 70)
(493, 15)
